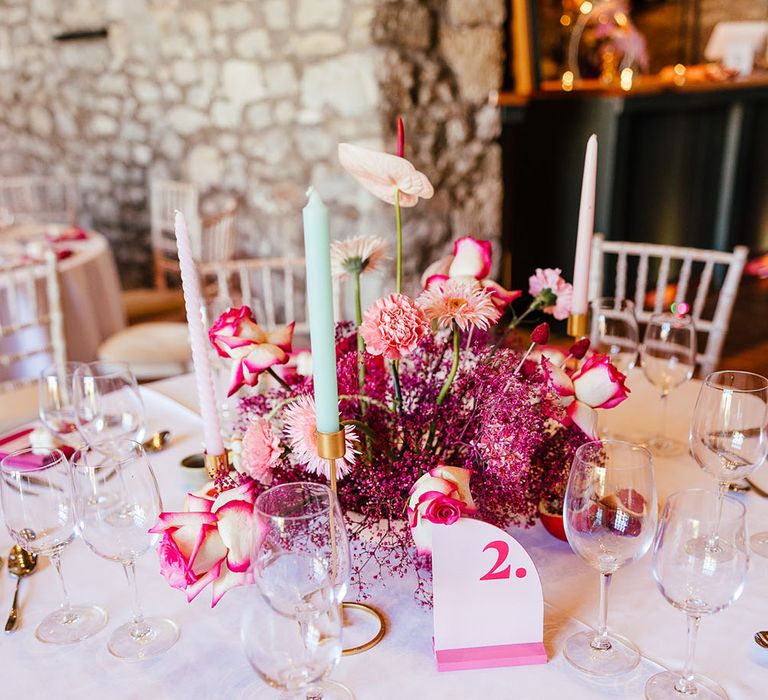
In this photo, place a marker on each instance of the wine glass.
(117, 501)
(694, 581)
(56, 401)
(108, 405)
(35, 491)
(668, 357)
(613, 331)
(301, 568)
(610, 517)
(729, 431)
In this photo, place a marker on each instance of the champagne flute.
(668, 358)
(117, 501)
(57, 402)
(613, 331)
(35, 492)
(610, 517)
(301, 568)
(694, 581)
(729, 433)
(108, 405)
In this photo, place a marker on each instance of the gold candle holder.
(578, 326)
(332, 446)
(216, 465)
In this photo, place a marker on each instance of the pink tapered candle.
(585, 229)
(193, 305)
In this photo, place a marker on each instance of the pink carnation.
(261, 450)
(550, 279)
(393, 327)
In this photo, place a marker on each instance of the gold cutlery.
(761, 639)
(157, 442)
(21, 563)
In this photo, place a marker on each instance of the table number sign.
(488, 603)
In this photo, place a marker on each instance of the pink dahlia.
(459, 301)
(393, 327)
(301, 429)
(554, 293)
(261, 450)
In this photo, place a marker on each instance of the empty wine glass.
(301, 568)
(117, 501)
(668, 357)
(694, 581)
(56, 401)
(108, 405)
(610, 517)
(729, 432)
(613, 331)
(36, 493)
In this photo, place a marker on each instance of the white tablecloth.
(208, 662)
(90, 294)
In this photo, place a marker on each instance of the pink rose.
(393, 326)
(471, 258)
(553, 291)
(237, 336)
(584, 417)
(599, 384)
(209, 542)
(558, 380)
(261, 450)
(440, 496)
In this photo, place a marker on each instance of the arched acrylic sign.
(488, 603)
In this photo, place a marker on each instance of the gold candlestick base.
(332, 446)
(216, 465)
(577, 325)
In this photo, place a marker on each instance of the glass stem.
(722, 490)
(139, 627)
(56, 559)
(686, 684)
(601, 641)
(663, 413)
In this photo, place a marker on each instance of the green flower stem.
(399, 220)
(515, 322)
(360, 341)
(363, 427)
(279, 379)
(454, 367)
(365, 399)
(398, 392)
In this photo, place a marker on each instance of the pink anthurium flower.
(209, 542)
(382, 173)
(440, 496)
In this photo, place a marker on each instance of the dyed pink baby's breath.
(301, 429)
(459, 301)
(393, 327)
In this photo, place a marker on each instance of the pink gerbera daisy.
(300, 428)
(459, 301)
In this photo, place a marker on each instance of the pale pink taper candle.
(200, 360)
(585, 229)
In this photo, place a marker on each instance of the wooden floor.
(746, 345)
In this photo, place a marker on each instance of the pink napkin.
(19, 440)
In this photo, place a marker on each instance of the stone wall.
(243, 97)
(441, 60)
(251, 98)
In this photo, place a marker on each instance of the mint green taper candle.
(317, 250)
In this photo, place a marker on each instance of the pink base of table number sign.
(488, 603)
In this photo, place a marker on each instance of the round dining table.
(90, 288)
(208, 661)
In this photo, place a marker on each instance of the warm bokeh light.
(586, 7)
(621, 19)
(565, 20)
(568, 81)
(625, 81)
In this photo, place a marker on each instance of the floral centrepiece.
(442, 419)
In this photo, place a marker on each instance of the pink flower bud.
(579, 348)
(540, 334)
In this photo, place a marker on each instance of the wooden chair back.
(39, 199)
(219, 237)
(29, 301)
(678, 270)
(166, 196)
